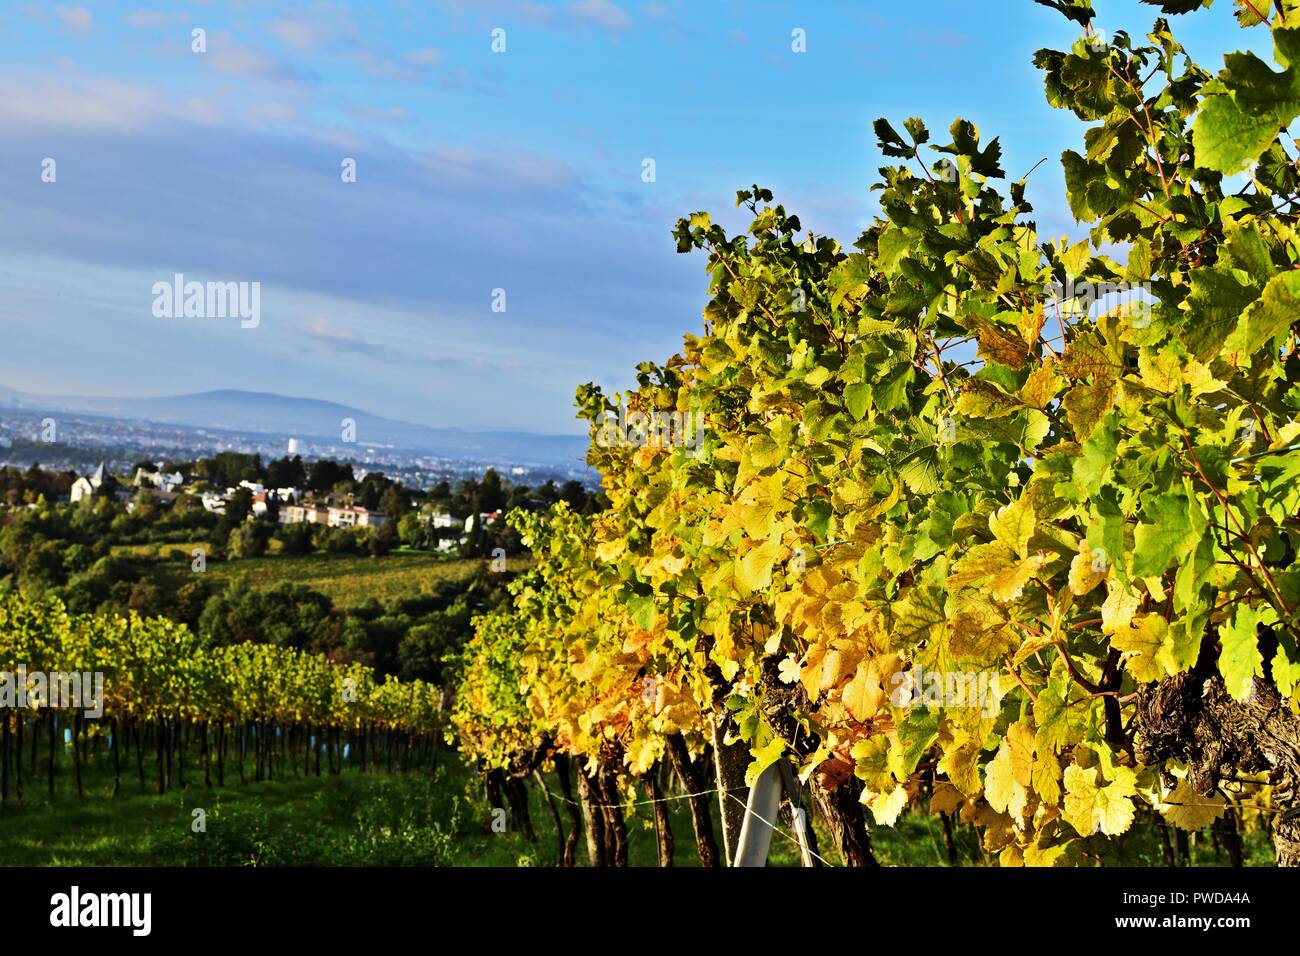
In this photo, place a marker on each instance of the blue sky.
(476, 171)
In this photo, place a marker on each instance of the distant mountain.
(311, 419)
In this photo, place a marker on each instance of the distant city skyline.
(482, 177)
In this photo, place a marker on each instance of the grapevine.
(962, 535)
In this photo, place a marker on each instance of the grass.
(350, 579)
(438, 818)
(164, 551)
(352, 819)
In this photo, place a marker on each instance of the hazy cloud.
(602, 12)
(228, 56)
(88, 104)
(388, 116)
(297, 33)
(424, 57)
(75, 18)
(155, 19)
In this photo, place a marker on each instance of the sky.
(519, 169)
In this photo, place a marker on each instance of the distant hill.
(266, 413)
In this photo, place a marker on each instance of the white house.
(336, 516)
(309, 513)
(353, 517)
(486, 517)
(159, 479)
(86, 487)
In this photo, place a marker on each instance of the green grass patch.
(350, 580)
(165, 551)
(424, 818)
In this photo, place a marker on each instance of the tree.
(372, 489)
(246, 541)
(286, 472)
(239, 506)
(295, 538)
(337, 541)
(289, 615)
(76, 558)
(227, 469)
(413, 530)
(382, 539)
(427, 650)
(395, 502)
(108, 488)
(491, 495)
(42, 568)
(324, 474)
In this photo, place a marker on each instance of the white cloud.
(297, 33)
(271, 112)
(75, 18)
(390, 115)
(154, 19)
(227, 55)
(427, 56)
(602, 12)
(235, 59)
(412, 67)
(100, 104)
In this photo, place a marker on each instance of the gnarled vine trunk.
(663, 826)
(693, 780)
(730, 762)
(615, 826)
(517, 797)
(593, 817)
(1191, 717)
(840, 807)
(571, 806)
(842, 811)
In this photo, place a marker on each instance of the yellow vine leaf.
(1091, 806)
(1185, 808)
(1083, 574)
(1147, 646)
(1014, 525)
